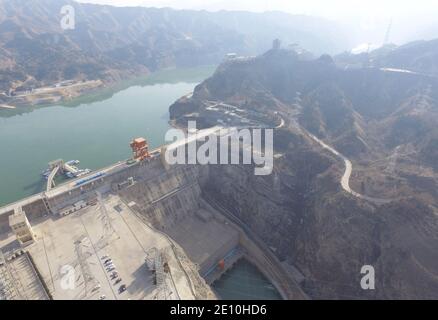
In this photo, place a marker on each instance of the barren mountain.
(383, 121)
(109, 43)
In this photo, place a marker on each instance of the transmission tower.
(107, 225)
(154, 261)
(90, 281)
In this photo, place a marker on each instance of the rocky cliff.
(384, 121)
(308, 222)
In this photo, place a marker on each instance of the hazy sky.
(412, 19)
(328, 8)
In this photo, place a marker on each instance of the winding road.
(345, 180)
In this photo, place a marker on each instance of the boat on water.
(46, 173)
(72, 162)
(69, 175)
(72, 171)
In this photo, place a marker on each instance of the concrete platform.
(205, 241)
(69, 255)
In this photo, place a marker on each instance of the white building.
(72, 208)
(21, 227)
(230, 56)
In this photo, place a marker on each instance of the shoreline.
(28, 184)
(105, 88)
(53, 94)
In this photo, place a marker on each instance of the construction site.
(139, 229)
(30, 95)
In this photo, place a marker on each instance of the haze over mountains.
(110, 43)
(417, 56)
(378, 109)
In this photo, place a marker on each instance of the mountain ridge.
(109, 43)
(383, 122)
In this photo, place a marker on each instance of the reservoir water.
(245, 282)
(95, 129)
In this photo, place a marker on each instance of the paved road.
(345, 180)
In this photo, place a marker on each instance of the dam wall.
(104, 184)
(172, 203)
(173, 200)
(34, 209)
(4, 222)
(66, 194)
(167, 198)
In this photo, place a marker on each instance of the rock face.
(354, 109)
(110, 43)
(301, 214)
(385, 122)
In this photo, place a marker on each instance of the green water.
(95, 129)
(245, 282)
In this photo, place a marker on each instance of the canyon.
(302, 211)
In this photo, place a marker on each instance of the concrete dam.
(184, 239)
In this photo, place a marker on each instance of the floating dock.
(67, 168)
